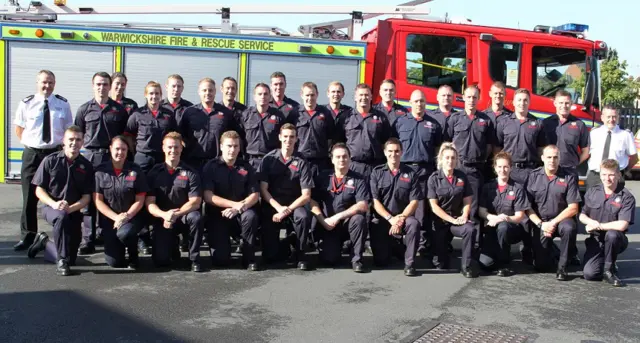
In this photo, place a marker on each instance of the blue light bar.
(572, 28)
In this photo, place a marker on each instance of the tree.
(617, 85)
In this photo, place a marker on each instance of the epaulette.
(27, 99)
(61, 97)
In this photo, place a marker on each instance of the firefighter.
(444, 110)
(173, 201)
(420, 136)
(472, 133)
(229, 90)
(339, 202)
(285, 185)
(365, 131)
(118, 87)
(497, 92)
(388, 106)
(64, 183)
(450, 195)
(316, 129)
(203, 124)
(259, 126)
(503, 206)
(231, 192)
(522, 136)
(279, 100)
(174, 101)
(120, 191)
(340, 111)
(395, 192)
(608, 211)
(100, 119)
(40, 123)
(554, 198)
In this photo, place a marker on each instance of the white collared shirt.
(622, 146)
(29, 116)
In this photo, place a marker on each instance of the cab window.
(559, 68)
(433, 61)
(504, 63)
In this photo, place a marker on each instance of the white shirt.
(29, 116)
(622, 146)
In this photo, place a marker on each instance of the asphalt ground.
(100, 304)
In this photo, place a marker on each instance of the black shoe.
(575, 261)
(87, 250)
(22, 245)
(253, 267)
(504, 272)
(358, 267)
(143, 248)
(469, 272)
(561, 275)
(39, 244)
(409, 271)
(612, 279)
(184, 247)
(195, 267)
(63, 268)
(303, 265)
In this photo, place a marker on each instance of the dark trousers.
(544, 257)
(254, 160)
(220, 229)
(165, 241)
(602, 252)
(272, 250)
(593, 179)
(496, 246)
(468, 232)
(364, 169)
(475, 179)
(31, 159)
(520, 175)
(66, 232)
(355, 229)
(319, 164)
(89, 221)
(147, 161)
(117, 242)
(382, 243)
(423, 212)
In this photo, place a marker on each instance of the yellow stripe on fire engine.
(3, 108)
(118, 59)
(185, 41)
(363, 64)
(242, 80)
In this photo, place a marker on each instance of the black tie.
(46, 122)
(607, 145)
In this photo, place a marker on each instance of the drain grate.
(449, 333)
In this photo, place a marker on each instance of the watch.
(539, 225)
(387, 218)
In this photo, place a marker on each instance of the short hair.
(309, 84)
(561, 93)
(120, 75)
(364, 86)
(46, 72)
(277, 74)
(473, 87)
(522, 91)
(448, 146)
(261, 85)
(610, 108)
(389, 81)
(103, 75)
(173, 135)
(445, 87)
(393, 141)
(229, 135)
(74, 129)
(340, 145)
(610, 164)
(176, 77)
(550, 147)
(152, 84)
(499, 84)
(502, 155)
(122, 139)
(207, 80)
(288, 126)
(229, 78)
(336, 83)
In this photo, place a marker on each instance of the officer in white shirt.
(609, 141)
(41, 120)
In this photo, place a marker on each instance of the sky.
(613, 21)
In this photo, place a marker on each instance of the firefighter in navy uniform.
(120, 191)
(388, 106)
(174, 201)
(231, 191)
(365, 131)
(279, 100)
(450, 195)
(100, 119)
(503, 206)
(395, 191)
(339, 111)
(315, 129)
(339, 202)
(420, 136)
(118, 87)
(259, 126)
(229, 90)
(174, 101)
(285, 185)
(608, 211)
(554, 198)
(496, 110)
(444, 110)
(64, 183)
(202, 126)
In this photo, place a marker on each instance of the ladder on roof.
(37, 11)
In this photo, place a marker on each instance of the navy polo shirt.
(315, 129)
(287, 106)
(119, 191)
(149, 129)
(173, 189)
(521, 139)
(337, 195)
(551, 195)
(471, 136)
(394, 190)
(101, 123)
(234, 182)
(366, 134)
(63, 180)
(260, 131)
(393, 113)
(340, 117)
(203, 128)
(570, 137)
(419, 137)
(286, 179)
(179, 108)
(511, 200)
(450, 195)
(620, 205)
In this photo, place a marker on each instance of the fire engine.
(416, 50)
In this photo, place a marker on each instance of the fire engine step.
(451, 333)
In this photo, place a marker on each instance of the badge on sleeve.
(405, 177)
(183, 175)
(511, 195)
(272, 119)
(131, 177)
(460, 182)
(349, 184)
(294, 165)
(617, 202)
(242, 171)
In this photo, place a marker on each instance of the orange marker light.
(39, 33)
(354, 51)
(14, 32)
(330, 49)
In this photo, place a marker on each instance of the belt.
(525, 164)
(473, 164)
(255, 156)
(94, 150)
